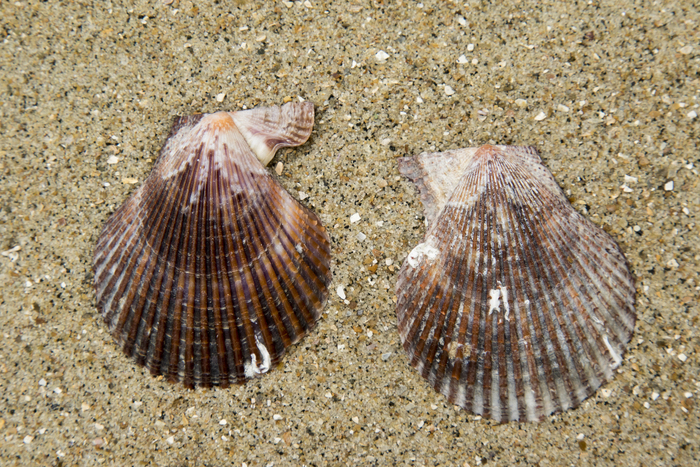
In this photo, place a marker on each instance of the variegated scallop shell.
(514, 306)
(210, 270)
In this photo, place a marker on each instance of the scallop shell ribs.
(514, 306)
(210, 270)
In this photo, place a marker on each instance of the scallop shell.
(514, 306)
(210, 270)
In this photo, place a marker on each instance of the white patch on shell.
(251, 369)
(299, 248)
(423, 250)
(267, 362)
(248, 367)
(613, 353)
(504, 293)
(494, 302)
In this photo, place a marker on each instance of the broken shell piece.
(210, 270)
(515, 306)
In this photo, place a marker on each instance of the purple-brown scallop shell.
(514, 306)
(210, 270)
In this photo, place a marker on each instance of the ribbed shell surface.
(514, 306)
(210, 270)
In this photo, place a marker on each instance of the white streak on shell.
(494, 302)
(527, 307)
(210, 270)
(614, 353)
(252, 369)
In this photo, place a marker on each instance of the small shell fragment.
(341, 291)
(381, 56)
(514, 306)
(211, 269)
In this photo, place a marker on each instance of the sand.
(607, 92)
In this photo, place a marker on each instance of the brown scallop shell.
(210, 270)
(514, 306)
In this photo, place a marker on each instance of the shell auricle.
(211, 269)
(514, 306)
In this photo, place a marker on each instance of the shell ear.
(268, 129)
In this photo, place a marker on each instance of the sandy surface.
(616, 84)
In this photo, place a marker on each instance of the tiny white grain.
(381, 56)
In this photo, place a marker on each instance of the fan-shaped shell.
(514, 306)
(210, 270)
